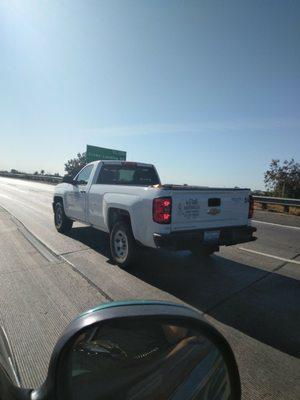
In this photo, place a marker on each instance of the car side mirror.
(68, 179)
(141, 350)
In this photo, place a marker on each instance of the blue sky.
(209, 91)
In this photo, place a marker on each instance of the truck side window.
(108, 175)
(83, 176)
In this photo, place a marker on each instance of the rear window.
(127, 175)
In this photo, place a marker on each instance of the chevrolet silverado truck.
(128, 201)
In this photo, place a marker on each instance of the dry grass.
(278, 209)
(294, 211)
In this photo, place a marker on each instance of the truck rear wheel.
(63, 224)
(123, 246)
(204, 251)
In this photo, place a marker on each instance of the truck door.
(76, 197)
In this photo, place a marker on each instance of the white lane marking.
(6, 197)
(271, 223)
(42, 187)
(14, 188)
(15, 200)
(287, 260)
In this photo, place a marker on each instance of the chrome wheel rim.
(120, 243)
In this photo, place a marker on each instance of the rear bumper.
(186, 240)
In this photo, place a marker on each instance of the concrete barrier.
(31, 177)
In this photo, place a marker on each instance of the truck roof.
(122, 162)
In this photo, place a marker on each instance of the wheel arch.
(115, 214)
(57, 199)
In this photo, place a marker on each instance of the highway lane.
(252, 298)
(275, 218)
(31, 203)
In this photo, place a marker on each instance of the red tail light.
(162, 207)
(251, 207)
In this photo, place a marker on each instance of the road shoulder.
(38, 300)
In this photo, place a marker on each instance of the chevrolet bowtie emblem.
(213, 211)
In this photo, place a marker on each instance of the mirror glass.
(67, 179)
(139, 359)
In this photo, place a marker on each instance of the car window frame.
(78, 182)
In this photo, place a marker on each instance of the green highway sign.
(94, 153)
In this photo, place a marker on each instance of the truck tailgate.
(209, 208)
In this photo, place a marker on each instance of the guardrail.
(32, 177)
(277, 201)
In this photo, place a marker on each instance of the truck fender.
(123, 204)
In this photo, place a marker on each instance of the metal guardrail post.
(285, 203)
(31, 177)
(277, 200)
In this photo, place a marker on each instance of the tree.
(42, 172)
(283, 180)
(75, 164)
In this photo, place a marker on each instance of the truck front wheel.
(123, 246)
(63, 224)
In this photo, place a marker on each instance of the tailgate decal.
(189, 209)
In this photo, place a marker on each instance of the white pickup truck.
(128, 201)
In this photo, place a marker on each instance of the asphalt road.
(251, 292)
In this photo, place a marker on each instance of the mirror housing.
(10, 381)
(100, 317)
(7, 358)
(68, 179)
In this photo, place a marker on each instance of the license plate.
(211, 236)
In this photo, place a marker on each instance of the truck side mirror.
(141, 350)
(68, 179)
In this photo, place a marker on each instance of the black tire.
(63, 224)
(204, 251)
(123, 246)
